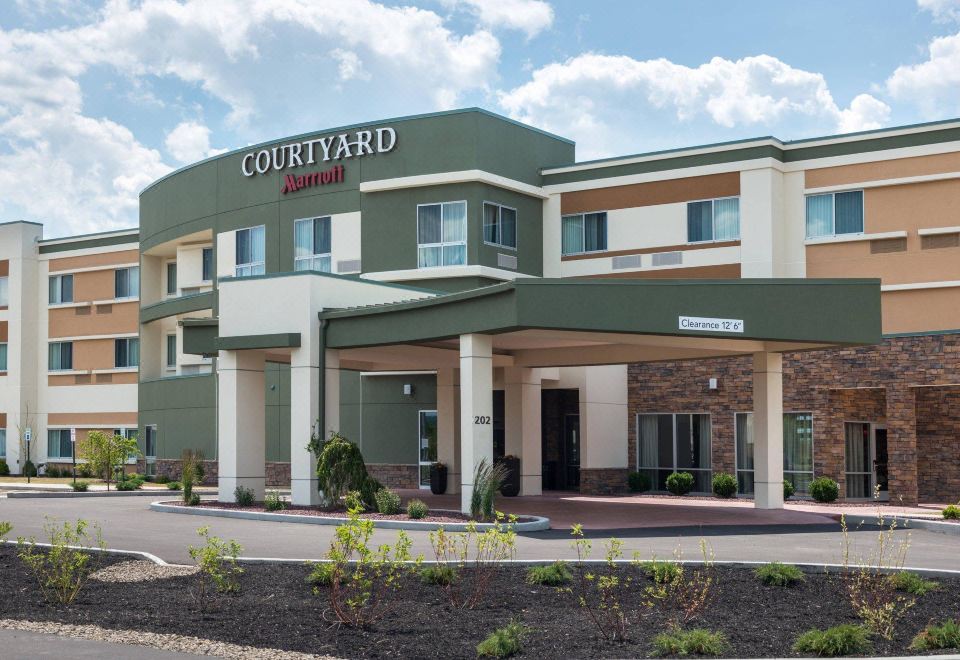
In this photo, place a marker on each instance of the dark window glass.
(207, 264)
(848, 214)
(699, 221)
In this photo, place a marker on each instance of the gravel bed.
(140, 570)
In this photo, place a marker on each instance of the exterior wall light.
(713, 383)
(408, 389)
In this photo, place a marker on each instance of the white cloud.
(944, 11)
(933, 85)
(189, 142)
(351, 66)
(598, 98)
(529, 16)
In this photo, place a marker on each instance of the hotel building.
(457, 286)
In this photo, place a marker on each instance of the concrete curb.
(931, 525)
(537, 525)
(107, 551)
(17, 495)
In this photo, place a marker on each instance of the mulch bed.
(276, 609)
(302, 510)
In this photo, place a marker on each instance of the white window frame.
(466, 232)
(316, 255)
(713, 220)
(516, 225)
(674, 415)
(127, 340)
(420, 462)
(583, 233)
(254, 267)
(59, 280)
(167, 363)
(213, 264)
(166, 278)
(50, 367)
(59, 456)
(813, 445)
(131, 295)
(833, 229)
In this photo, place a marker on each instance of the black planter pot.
(438, 479)
(511, 484)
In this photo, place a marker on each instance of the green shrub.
(504, 642)
(776, 574)
(29, 469)
(321, 575)
(933, 637)
(388, 502)
(724, 485)
(129, 484)
(638, 482)
(63, 568)
(273, 502)
(341, 469)
(354, 501)
(84, 471)
(554, 575)
(194, 500)
(5, 528)
(174, 485)
(416, 509)
(662, 571)
(951, 512)
(487, 480)
(690, 642)
(161, 479)
(437, 574)
(912, 583)
(788, 489)
(680, 483)
(4, 468)
(846, 639)
(217, 561)
(824, 489)
(53, 472)
(80, 486)
(243, 496)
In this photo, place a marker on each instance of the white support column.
(768, 430)
(448, 425)
(603, 419)
(522, 425)
(331, 392)
(304, 411)
(476, 409)
(241, 412)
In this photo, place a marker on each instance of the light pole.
(73, 453)
(28, 435)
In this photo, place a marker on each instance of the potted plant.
(511, 484)
(438, 478)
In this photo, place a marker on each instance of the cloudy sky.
(98, 99)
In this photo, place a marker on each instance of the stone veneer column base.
(395, 476)
(603, 481)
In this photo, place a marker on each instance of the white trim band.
(938, 231)
(853, 238)
(913, 286)
(439, 272)
(463, 176)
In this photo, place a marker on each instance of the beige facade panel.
(93, 354)
(650, 194)
(911, 207)
(95, 260)
(863, 259)
(653, 250)
(719, 272)
(118, 378)
(115, 318)
(94, 285)
(885, 169)
(86, 419)
(921, 310)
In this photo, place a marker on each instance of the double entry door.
(866, 461)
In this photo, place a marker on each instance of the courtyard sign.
(309, 152)
(711, 325)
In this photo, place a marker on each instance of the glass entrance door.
(880, 458)
(571, 452)
(866, 461)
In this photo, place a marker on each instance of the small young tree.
(191, 473)
(104, 452)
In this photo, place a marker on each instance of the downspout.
(322, 361)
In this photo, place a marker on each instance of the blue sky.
(98, 99)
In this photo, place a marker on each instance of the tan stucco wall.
(885, 169)
(921, 310)
(121, 318)
(94, 260)
(85, 419)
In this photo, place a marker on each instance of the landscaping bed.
(275, 608)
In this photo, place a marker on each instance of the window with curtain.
(207, 264)
(126, 352)
(835, 214)
(859, 466)
(499, 225)
(674, 443)
(58, 443)
(4, 291)
(441, 234)
(126, 282)
(61, 289)
(797, 450)
(311, 244)
(251, 252)
(713, 220)
(172, 278)
(584, 232)
(60, 356)
(3, 357)
(3, 443)
(171, 351)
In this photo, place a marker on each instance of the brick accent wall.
(903, 382)
(396, 476)
(603, 481)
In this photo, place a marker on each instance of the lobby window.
(797, 450)
(499, 225)
(61, 289)
(428, 444)
(171, 278)
(311, 244)
(126, 282)
(584, 232)
(207, 264)
(441, 234)
(835, 214)
(250, 252)
(126, 352)
(58, 443)
(171, 351)
(713, 220)
(3, 357)
(4, 291)
(60, 356)
(674, 443)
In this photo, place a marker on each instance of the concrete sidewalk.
(21, 645)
